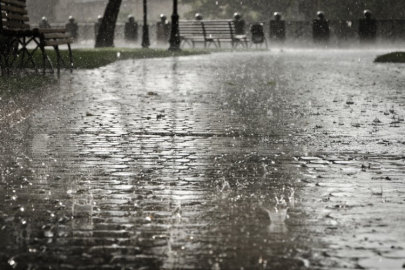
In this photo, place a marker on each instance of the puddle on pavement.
(151, 166)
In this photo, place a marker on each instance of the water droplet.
(376, 121)
(48, 234)
(12, 263)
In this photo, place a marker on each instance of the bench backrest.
(13, 15)
(191, 28)
(222, 29)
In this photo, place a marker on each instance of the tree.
(262, 10)
(257, 10)
(353, 10)
(105, 35)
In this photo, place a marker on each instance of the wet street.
(267, 160)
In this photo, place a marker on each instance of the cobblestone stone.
(176, 164)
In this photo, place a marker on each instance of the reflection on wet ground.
(270, 160)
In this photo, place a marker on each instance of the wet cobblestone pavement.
(270, 160)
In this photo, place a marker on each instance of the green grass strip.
(394, 57)
(95, 58)
(11, 86)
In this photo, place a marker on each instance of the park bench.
(210, 32)
(224, 31)
(13, 30)
(16, 34)
(192, 32)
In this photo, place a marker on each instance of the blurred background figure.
(239, 24)
(199, 16)
(44, 23)
(277, 28)
(320, 28)
(257, 34)
(72, 28)
(131, 29)
(163, 30)
(367, 28)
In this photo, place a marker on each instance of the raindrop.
(270, 114)
(12, 263)
(392, 110)
(48, 234)
(349, 100)
(341, 121)
(225, 186)
(376, 121)
(83, 206)
(386, 111)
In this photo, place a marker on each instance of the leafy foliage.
(251, 10)
(262, 10)
(95, 58)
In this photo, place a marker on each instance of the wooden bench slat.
(14, 17)
(55, 35)
(18, 32)
(216, 31)
(14, 9)
(51, 30)
(15, 24)
(15, 2)
(58, 42)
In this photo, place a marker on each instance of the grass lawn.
(94, 58)
(394, 57)
(11, 86)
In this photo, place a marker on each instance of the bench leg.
(58, 58)
(45, 59)
(70, 58)
(44, 56)
(7, 56)
(2, 67)
(234, 44)
(23, 51)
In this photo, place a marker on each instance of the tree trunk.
(105, 35)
